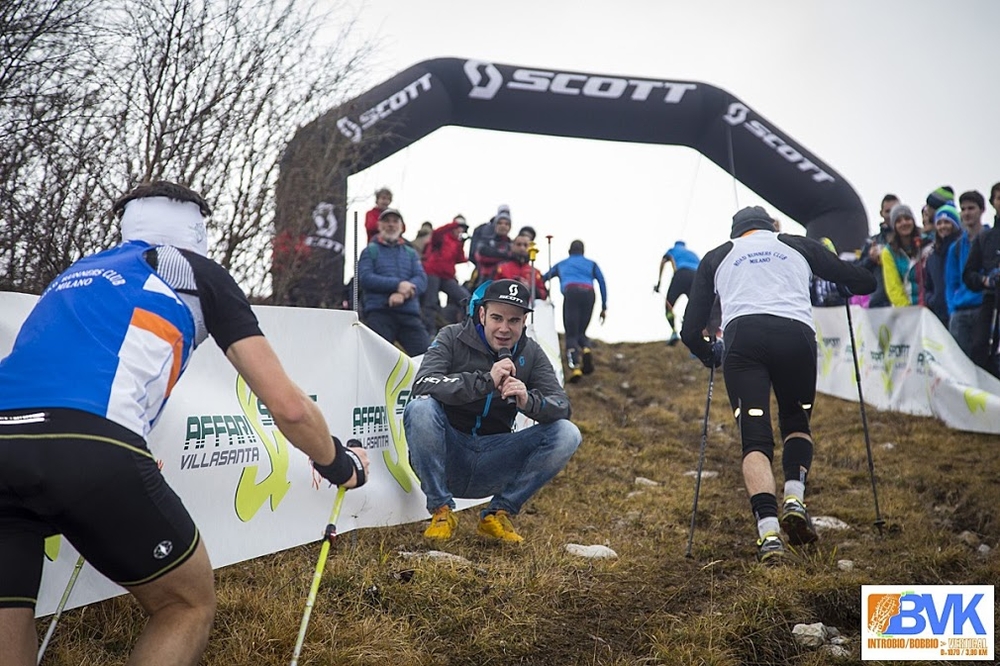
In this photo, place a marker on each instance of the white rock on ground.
(434, 555)
(809, 635)
(705, 473)
(643, 481)
(845, 565)
(829, 523)
(594, 552)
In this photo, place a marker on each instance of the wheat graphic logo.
(881, 607)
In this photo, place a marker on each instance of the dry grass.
(641, 415)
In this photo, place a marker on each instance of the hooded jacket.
(455, 371)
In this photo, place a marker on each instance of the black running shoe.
(796, 522)
(770, 550)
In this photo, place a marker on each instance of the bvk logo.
(487, 80)
(927, 622)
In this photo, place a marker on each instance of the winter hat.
(461, 221)
(511, 292)
(941, 196)
(527, 231)
(752, 217)
(898, 211)
(949, 212)
(502, 214)
(576, 247)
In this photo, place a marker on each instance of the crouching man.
(474, 379)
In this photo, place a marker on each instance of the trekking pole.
(59, 608)
(549, 239)
(532, 253)
(864, 419)
(701, 459)
(354, 283)
(329, 536)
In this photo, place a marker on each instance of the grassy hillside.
(641, 414)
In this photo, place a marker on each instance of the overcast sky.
(897, 96)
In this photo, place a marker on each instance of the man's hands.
(503, 372)
(991, 279)
(604, 314)
(714, 358)
(349, 467)
(396, 299)
(407, 289)
(656, 288)
(844, 290)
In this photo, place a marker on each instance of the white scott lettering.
(565, 83)
(737, 115)
(396, 101)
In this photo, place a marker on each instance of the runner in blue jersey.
(89, 374)
(684, 263)
(577, 275)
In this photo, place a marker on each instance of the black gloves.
(844, 291)
(992, 278)
(714, 359)
(344, 464)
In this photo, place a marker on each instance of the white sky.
(895, 95)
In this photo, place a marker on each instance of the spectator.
(494, 250)
(947, 230)
(90, 372)
(528, 231)
(576, 276)
(383, 197)
(419, 242)
(471, 384)
(683, 262)
(964, 303)
(902, 272)
(824, 293)
(871, 253)
(520, 268)
(770, 342)
(483, 233)
(928, 229)
(392, 280)
(982, 274)
(442, 254)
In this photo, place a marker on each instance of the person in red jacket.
(444, 250)
(520, 269)
(383, 197)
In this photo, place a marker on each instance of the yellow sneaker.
(498, 526)
(443, 524)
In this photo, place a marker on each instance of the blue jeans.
(510, 466)
(406, 327)
(962, 325)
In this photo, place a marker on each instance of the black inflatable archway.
(308, 264)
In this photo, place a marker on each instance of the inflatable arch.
(311, 195)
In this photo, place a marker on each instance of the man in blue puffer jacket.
(392, 278)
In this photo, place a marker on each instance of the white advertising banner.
(249, 491)
(909, 363)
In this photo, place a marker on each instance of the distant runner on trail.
(577, 275)
(684, 263)
(762, 279)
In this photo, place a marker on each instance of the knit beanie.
(751, 217)
(941, 196)
(898, 211)
(948, 212)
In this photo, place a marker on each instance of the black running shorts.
(73, 473)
